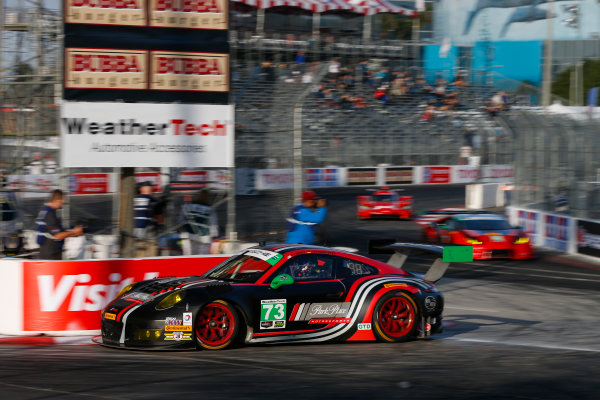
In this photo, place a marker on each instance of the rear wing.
(444, 255)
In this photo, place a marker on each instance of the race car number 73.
(272, 310)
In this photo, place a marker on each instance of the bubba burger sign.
(102, 134)
(69, 295)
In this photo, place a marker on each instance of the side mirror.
(281, 280)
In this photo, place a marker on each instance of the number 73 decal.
(272, 313)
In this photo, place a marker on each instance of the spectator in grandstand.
(300, 59)
(363, 72)
(333, 69)
(427, 114)
(381, 94)
(267, 71)
(497, 103)
(460, 80)
(50, 232)
(358, 103)
(304, 218)
(199, 224)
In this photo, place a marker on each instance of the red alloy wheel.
(396, 317)
(215, 325)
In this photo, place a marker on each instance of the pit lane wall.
(66, 297)
(558, 231)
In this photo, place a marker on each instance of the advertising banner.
(362, 176)
(35, 185)
(189, 14)
(196, 72)
(146, 51)
(69, 295)
(556, 234)
(465, 174)
(322, 177)
(436, 174)
(588, 238)
(497, 173)
(89, 184)
(274, 179)
(106, 69)
(398, 175)
(99, 134)
(123, 12)
(529, 220)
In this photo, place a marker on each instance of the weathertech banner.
(69, 295)
(99, 134)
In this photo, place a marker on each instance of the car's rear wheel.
(395, 318)
(217, 325)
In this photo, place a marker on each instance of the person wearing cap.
(50, 232)
(304, 218)
(143, 206)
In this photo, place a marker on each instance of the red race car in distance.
(384, 202)
(491, 235)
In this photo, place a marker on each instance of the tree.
(591, 78)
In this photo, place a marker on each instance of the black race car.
(282, 293)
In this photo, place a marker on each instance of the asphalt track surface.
(513, 330)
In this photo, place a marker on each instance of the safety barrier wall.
(558, 231)
(267, 179)
(66, 297)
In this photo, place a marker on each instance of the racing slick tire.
(395, 318)
(217, 326)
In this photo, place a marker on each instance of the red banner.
(89, 183)
(69, 295)
(436, 174)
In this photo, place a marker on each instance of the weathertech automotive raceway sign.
(102, 134)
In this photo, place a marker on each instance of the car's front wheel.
(395, 318)
(217, 325)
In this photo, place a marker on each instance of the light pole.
(547, 71)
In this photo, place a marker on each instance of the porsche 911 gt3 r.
(491, 235)
(384, 202)
(276, 294)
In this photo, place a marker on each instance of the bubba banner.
(69, 295)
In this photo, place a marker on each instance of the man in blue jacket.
(304, 218)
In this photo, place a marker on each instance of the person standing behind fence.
(143, 207)
(199, 221)
(50, 232)
(8, 212)
(304, 218)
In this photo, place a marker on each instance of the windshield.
(485, 224)
(243, 268)
(384, 198)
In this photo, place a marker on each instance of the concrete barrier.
(66, 297)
